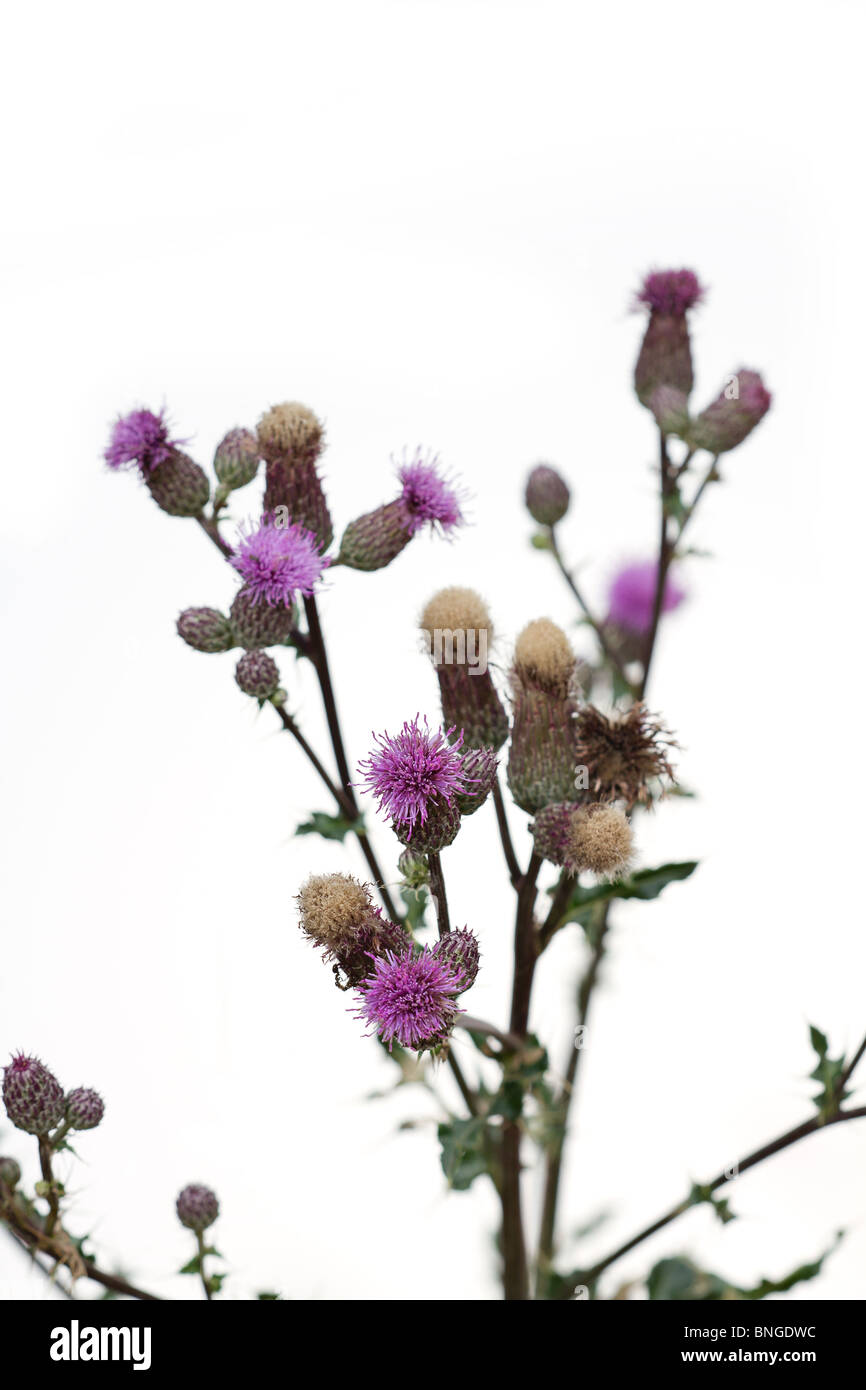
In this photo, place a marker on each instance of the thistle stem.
(511, 860)
(597, 627)
(437, 890)
(208, 1292)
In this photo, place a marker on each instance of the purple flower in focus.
(670, 291)
(413, 772)
(632, 596)
(279, 561)
(140, 439)
(412, 998)
(427, 496)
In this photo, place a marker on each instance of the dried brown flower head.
(622, 753)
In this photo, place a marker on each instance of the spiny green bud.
(257, 674)
(206, 630)
(414, 868)
(259, 624)
(179, 486)
(197, 1207)
(84, 1108)
(236, 460)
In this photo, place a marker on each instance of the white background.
(427, 221)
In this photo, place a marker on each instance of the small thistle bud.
(258, 624)
(458, 634)
(665, 357)
(544, 688)
(178, 485)
(257, 674)
(236, 460)
(670, 406)
(733, 415)
(32, 1095)
(197, 1207)
(460, 950)
(479, 769)
(84, 1108)
(547, 495)
(10, 1171)
(338, 915)
(290, 439)
(206, 629)
(372, 541)
(414, 868)
(622, 754)
(595, 838)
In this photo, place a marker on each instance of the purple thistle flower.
(413, 773)
(412, 998)
(427, 496)
(140, 439)
(632, 595)
(670, 291)
(279, 561)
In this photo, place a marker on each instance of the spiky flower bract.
(197, 1207)
(258, 624)
(236, 460)
(479, 768)
(665, 357)
(414, 774)
(670, 291)
(461, 951)
(32, 1095)
(258, 675)
(427, 496)
(140, 440)
(206, 630)
(457, 633)
(733, 414)
(290, 438)
(544, 688)
(411, 999)
(632, 595)
(278, 562)
(623, 754)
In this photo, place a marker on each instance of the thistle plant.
(559, 737)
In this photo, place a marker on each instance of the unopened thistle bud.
(10, 1171)
(290, 439)
(416, 778)
(257, 624)
(178, 485)
(665, 357)
(670, 406)
(414, 868)
(372, 541)
(547, 495)
(236, 460)
(258, 675)
(479, 769)
(458, 634)
(338, 915)
(84, 1108)
(197, 1207)
(622, 755)
(544, 691)
(595, 839)
(733, 415)
(461, 951)
(206, 629)
(32, 1095)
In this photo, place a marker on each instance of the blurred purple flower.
(140, 439)
(670, 291)
(277, 562)
(427, 496)
(632, 595)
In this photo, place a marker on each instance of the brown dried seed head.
(543, 654)
(456, 610)
(601, 841)
(622, 753)
(289, 430)
(332, 906)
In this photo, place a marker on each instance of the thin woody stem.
(514, 870)
(597, 627)
(52, 1196)
(437, 892)
(208, 1292)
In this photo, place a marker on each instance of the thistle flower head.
(456, 610)
(460, 950)
(290, 432)
(206, 630)
(140, 440)
(197, 1207)
(258, 675)
(428, 496)
(236, 460)
(337, 914)
(84, 1108)
(278, 562)
(547, 495)
(414, 773)
(632, 595)
(670, 291)
(479, 769)
(32, 1095)
(412, 998)
(595, 838)
(543, 657)
(733, 415)
(622, 753)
